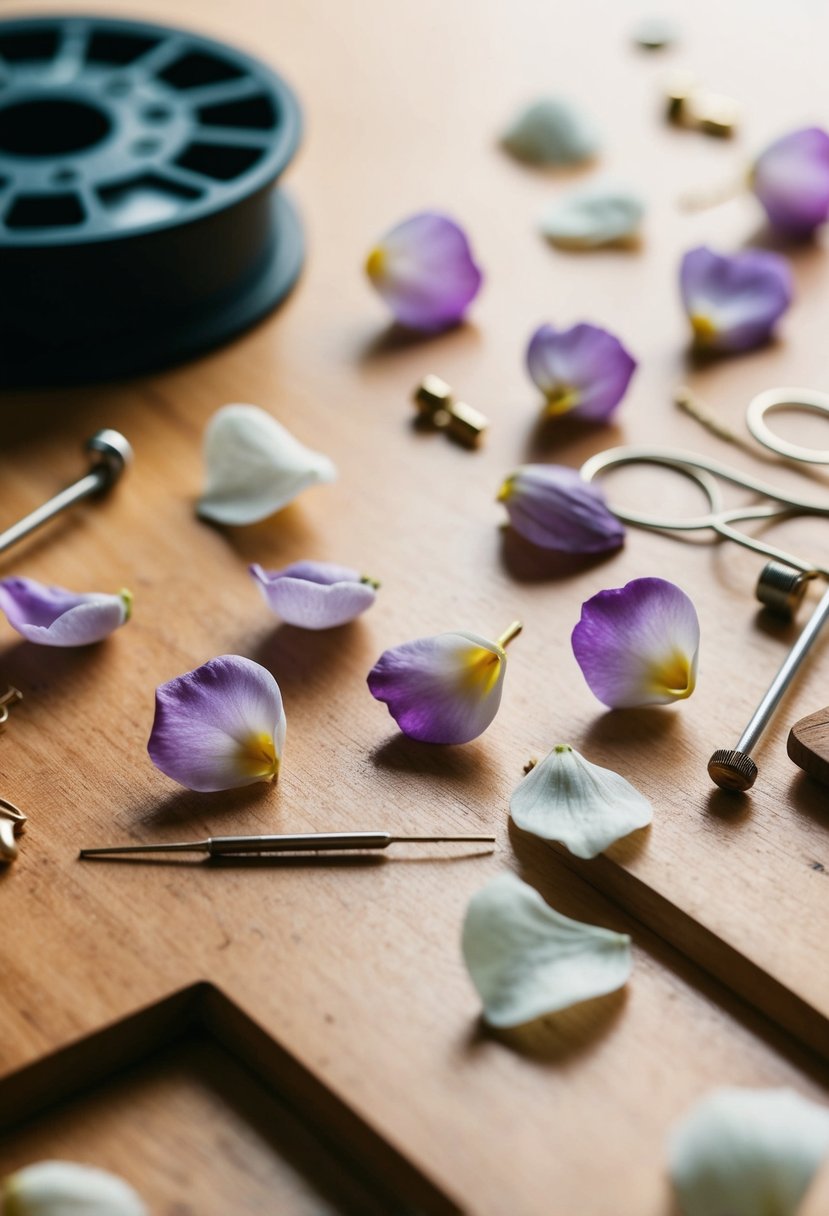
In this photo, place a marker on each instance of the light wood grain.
(166, 1124)
(356, 970)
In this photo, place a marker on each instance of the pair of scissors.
(708, 474)
(782, 583)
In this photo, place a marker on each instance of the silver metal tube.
(733, 768)
(88, 485)
(224, 846)
(110, 453)
(784, 677)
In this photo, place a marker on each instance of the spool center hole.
(50, 127)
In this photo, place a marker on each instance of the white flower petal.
(64, 1188)
(748, 1152)
(255, 467)
(586, 807)
(552, 131)
(526, 959)
(598, 215)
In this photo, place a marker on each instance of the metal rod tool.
(110, 453)
(307, 842)
(734, 769)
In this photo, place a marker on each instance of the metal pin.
(305, 842)
(435, 402)
(733, 768)
(110, 453)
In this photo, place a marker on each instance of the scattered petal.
(791, 180)
(254, 466)
(59, 1188)
(638, 644)
(424, 270)
(747, 1152)
(552, 131)
(53, 616)
(734, 301)
(583, 371)
(527, 960)
(655, 32)
(220, 726)
(315, 595)
(552, 507)
(585, 807)
(593, 216)
(442, 689)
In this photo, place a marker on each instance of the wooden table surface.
(355, 971)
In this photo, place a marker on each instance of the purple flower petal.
(583, 371)
(424, 270)
(733, 302)
(550, 506)
(442, 689)
(791, 180)
(53, 616)
(638, 644)
(315, 595)
(220, 726)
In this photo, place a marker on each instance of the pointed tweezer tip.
(188, 846)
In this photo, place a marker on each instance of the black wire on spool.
(139, 220)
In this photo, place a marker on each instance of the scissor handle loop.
(704, 472)
(677, 462)
(786, 398)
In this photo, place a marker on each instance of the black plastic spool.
(139, 223)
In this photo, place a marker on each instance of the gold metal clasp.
(10, 697)
(435, 402)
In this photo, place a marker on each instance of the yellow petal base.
(705, 331)
(257, 757)
(673, 677)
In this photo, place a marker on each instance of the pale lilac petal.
(551, 506)
(424, 270)
(442, 689)
(53, 616)
(220, 726)
(791, 180)
(315, 595)
(734, 301)
(638, 644)
(583, 371)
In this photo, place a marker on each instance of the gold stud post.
(435, 402)
(699, 109)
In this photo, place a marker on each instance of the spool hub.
(139, 223)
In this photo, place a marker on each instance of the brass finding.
(436, 404)
(11, 823)
(10, 697)
(698, 109)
